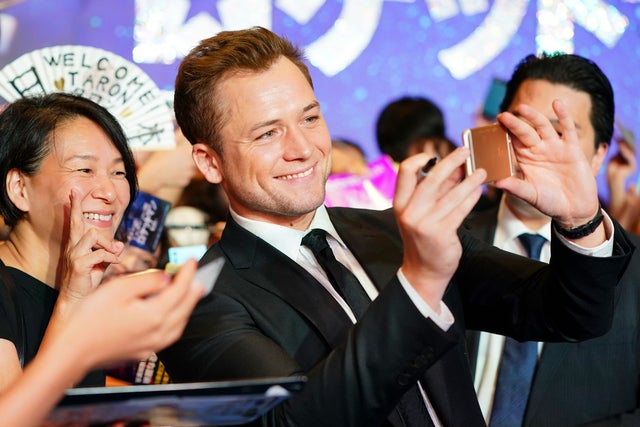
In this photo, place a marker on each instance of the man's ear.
(16, 190)
(598, 157)
(208, 162)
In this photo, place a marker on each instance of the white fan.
(102, 76)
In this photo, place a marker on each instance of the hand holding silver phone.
(491, 150)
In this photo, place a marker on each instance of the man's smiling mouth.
(297, 175)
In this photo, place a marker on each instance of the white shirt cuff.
(444, 320)
(605, 249)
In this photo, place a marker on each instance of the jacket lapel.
(482, 225)
(379, 259)
(264, 266)
(551, 361)
(261, 264)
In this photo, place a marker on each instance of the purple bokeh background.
(399, 60)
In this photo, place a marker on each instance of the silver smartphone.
(491, 150)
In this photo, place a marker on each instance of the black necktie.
(411, 407)
(342, 279)
(517, 365)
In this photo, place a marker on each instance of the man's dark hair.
(406, 120)
(576, 72)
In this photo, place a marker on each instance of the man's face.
(539, 94)
(275, 146)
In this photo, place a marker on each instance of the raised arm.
(429, 214)
(127, 318)
(555, 176)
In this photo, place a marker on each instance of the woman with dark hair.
(68, 176)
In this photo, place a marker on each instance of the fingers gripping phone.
(491, 150)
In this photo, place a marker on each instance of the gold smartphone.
(491, 150)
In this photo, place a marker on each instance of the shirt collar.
(510, 227)
(287, 240)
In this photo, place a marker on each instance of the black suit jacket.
(268, 317)
(597, 380)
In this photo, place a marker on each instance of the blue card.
(143, 224)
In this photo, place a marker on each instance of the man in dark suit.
(598, 380)
(386, 348)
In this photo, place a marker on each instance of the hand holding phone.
(491, 150)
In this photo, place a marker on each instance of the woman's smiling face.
(84, 159)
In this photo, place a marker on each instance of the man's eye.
(268, 134)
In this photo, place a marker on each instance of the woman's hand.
(87, 255)
(130, 316)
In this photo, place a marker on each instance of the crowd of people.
(396, 317)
